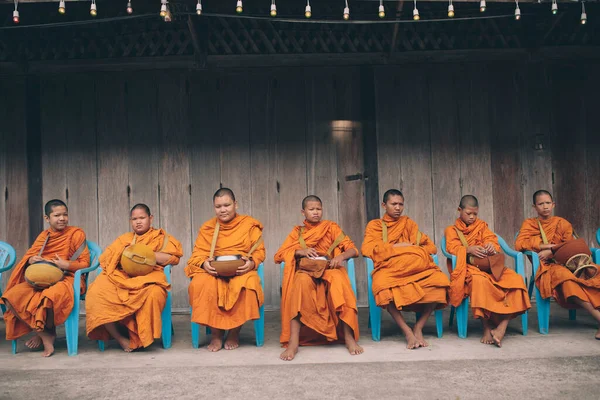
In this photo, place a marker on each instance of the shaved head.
(311, 197)
(468, 201)
(53, 203)
(390, 193)
(224, 192)
(540, 193)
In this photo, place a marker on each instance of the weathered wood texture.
(275, 135)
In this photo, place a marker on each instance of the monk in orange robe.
(225, 303)
(405, 277)
(498, 294)
(317, 310)
(30, 309)
(115, 300)
(541, 235)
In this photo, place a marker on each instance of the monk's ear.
(383, 205)
(46, 218)
(236, 204)
(151, 219)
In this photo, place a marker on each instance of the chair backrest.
(95, 252)
(598, 237)
(8, 256)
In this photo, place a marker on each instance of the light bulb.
(517, 13)
(168, 16)
(239, 8)
(163, 10)
(308, 11)
(381, 11)
(199, 8)
(554, 7)
(482, 6)
(129, 8)
(416, 15)
(273, 10)
(93, 10)
(451, 11)
(346, 13)
(61, 7)
(16, 17)
(583, 18)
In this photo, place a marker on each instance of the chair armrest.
(77, 279)
(535, 260)
(167, 271)
(11, 257)
(435, 259)
(507, 249)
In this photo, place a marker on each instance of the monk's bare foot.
(233, 340)
(487, 337)
(124, 343)
(412, 342)
(289, 353)
(498, 335)
(354, 348)
(34, 343)
(48, 342)
(419, 336)
(216, 344)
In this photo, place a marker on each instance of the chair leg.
(462, 318)
(14, 347)
(524, 323)
(195, 335)
(375, 316)
(451, 322)
(259, 328)
(572, 315)
(101, 345)
(72, 331)
(439, 322)
(543, 309)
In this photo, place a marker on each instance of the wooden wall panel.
(263, 161)
(143, 140)
(4, 135)
(473, 96)
(81, 174)
(445, 171)
(592, 146)
(174, 174)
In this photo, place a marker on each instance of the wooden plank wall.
(171, 139)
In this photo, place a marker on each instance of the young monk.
(405, 277)
(41, 310)
(225, 303)
(542, 234)
(498, 294)
(116, 301)
(317, 310)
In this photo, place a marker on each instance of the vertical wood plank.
(82, 174)
(144, 141)
(474, 123)
(174, 174)
(592, 146)
(3, 164)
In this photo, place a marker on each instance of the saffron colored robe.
(406, 276)
(134, 302)
(555, 280)
(220, 302)
(321, 303)
(506, 297)
(31, 305)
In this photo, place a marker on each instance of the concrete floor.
(562, 364)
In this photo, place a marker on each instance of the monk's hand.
(310, 253)
(545, 255)
(247, 267)
(62, 264)
(403, 244)
(209, 268)
(336, 262)
(35, 259)
(490, 249)
(477, 251)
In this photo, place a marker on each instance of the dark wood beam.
(396, 26)
(200, 45)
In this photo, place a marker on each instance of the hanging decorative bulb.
(62, 7)
(416, 15)
(346, 11)
(583, 14)
(308, 10)
(482, 6)
(517, 11)
(381, 9)
(199, 8)
(129, 8)
(451, 10)
(273, 9)
(168, 16)
(239, 7)
(16, 17)
(93, 10)
(163, 8)
(554, 7)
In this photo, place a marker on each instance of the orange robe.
(555, 280)
(323, 302)
(226, 303)
(135, 303)
(31, 305)
(406, 276)
(489, 297)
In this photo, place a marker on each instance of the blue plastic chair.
(259, 324)
(165, 316)
(375, 311)
(349, 268)
(462, 311)
(72, 322)
(8, 258)
(596, 252)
